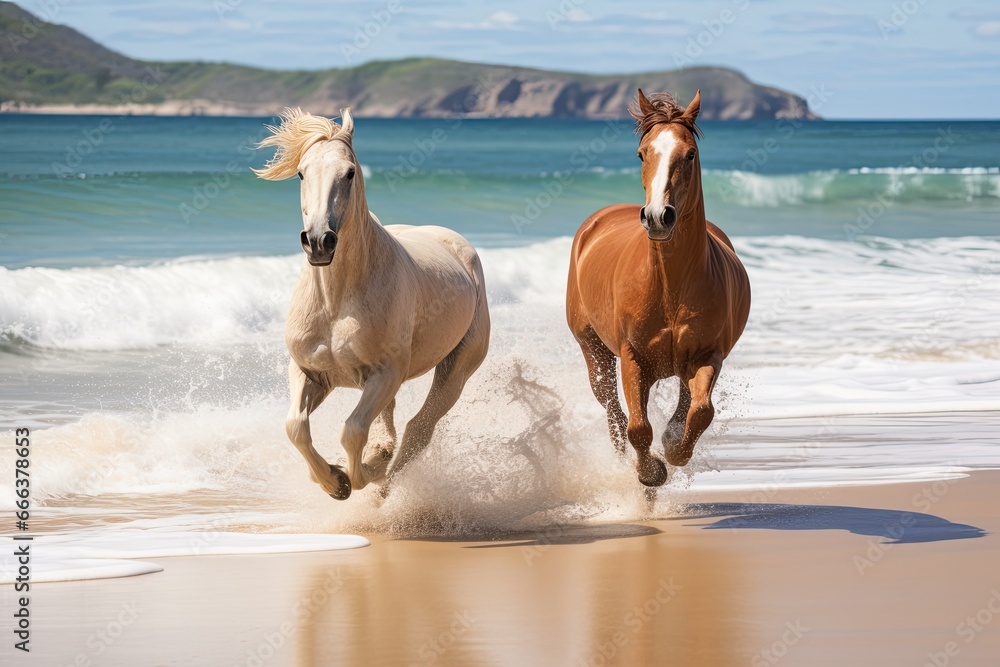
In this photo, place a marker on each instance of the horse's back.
(438, 248)
(451, 291)
(719, 235)
(610, 220)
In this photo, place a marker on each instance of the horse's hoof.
(343, 491)
(652, 472)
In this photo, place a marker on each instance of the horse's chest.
(669, 344)
(323, 345)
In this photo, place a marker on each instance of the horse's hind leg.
(604, 383)
(700, 413)
(674, 432)
(450, 377)
(306, 396)
(637, 382)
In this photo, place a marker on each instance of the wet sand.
(902, 574)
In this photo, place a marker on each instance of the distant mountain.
(49, 67)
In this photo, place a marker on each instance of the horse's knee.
(297, 429)
(640, 433)
(355, 431)
(354, 435)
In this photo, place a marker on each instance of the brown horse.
(659, 287)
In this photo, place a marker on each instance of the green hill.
(49, 67)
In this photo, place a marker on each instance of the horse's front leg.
(637, 381)
(378, 455)
(699, 414)
(379, 391)
(306, 396)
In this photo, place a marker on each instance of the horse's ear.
(347, 123)
(694, 108)
(645, 106)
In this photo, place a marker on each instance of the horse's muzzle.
(661, 229)
(320, 251)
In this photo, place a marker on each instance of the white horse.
(374, 306)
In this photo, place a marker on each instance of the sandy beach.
(247, 247)
(898, 574)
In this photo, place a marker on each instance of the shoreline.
(818, 576)
(176, 108)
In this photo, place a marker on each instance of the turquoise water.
(89, 190)
(145, 274)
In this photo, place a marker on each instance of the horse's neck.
(685, 255)
(362, 247)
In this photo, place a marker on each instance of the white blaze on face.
(324, 190)
(663, 145)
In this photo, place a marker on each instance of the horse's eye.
(639, 155)
(690, 154)
(300, 175)
(350, 173)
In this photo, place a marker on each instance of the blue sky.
(876, 58)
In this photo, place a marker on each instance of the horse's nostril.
(329, 241)
(642, 214)
(669, 216)
(304, 240)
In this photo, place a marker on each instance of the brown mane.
(664, 110)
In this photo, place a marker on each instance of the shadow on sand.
(571, 534)
(894, 526)
(897, 527)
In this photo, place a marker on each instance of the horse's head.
(320, 152)
(669, 154)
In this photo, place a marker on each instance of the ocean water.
(146, 273)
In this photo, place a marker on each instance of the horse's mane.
(296, 134)
(664, 110)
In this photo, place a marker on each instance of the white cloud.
(502, 20)
(240, 26)
(988, 29)
(577, 15)
(825, 21)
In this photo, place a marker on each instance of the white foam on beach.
(109, 553)
(838, 331)
(122, 307)
(814, 298)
